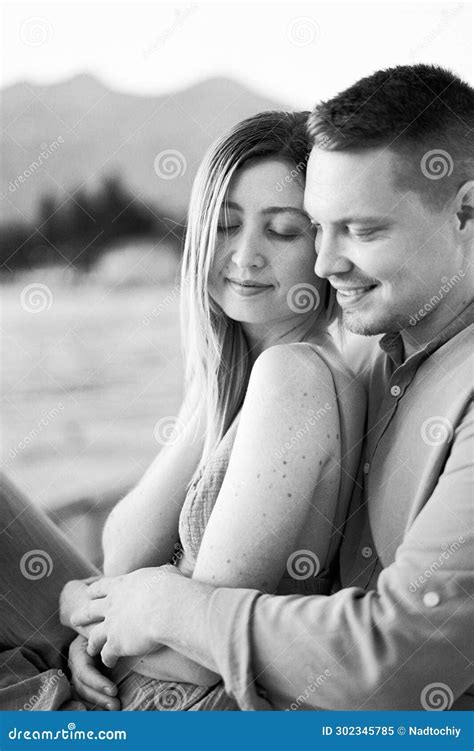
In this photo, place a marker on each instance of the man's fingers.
(99, 588)
(108, 657)
(92, 611)
(91, 579)
(97, 639)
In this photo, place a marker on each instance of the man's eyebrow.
(365, 219)
(382, 219)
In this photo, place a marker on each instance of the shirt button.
(367, 552)
(366, 468)
(395, 391)
(431, 599)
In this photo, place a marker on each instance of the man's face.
(383, 249)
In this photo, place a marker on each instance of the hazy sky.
(294, 52)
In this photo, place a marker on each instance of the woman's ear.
(464, 203)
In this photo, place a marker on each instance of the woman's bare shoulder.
(293, 365)
(289, 372)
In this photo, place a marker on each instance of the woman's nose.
(246, 251)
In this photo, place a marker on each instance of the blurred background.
(106, 111)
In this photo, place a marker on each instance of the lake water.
(88, 368)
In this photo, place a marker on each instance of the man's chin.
(366, 325)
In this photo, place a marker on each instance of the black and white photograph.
(236, 310)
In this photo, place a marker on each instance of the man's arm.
(383, 649)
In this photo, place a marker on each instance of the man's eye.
(365, 234)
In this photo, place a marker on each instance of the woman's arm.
(286, 443)
(142, 529)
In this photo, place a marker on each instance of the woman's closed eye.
(287, 232)
(284, 235)
(227, 228)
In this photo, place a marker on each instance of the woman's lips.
(248, 288)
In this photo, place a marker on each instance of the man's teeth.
(352, 292)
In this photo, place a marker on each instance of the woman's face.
(263, 270)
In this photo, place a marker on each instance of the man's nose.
(330, 256)
(246, 250)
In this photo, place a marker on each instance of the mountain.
(75, 132)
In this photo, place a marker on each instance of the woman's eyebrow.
(285, 209)
(231, 205)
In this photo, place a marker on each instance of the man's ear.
(464, 206)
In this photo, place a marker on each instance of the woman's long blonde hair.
(217, 365)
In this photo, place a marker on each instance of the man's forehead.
(348, 180)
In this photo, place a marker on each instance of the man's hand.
(123, 611)
(90, 685)
(73, 596)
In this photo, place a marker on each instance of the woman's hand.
(122, 611)
(89, 683)
(74, 594)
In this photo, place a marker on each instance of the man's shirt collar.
(392, 344)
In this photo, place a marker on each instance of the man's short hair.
(422, 113)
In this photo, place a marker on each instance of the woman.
(253, 489)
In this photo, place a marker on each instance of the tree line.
(78, 230)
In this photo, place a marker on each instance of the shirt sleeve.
(405, 645)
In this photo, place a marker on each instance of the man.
(389, 187)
